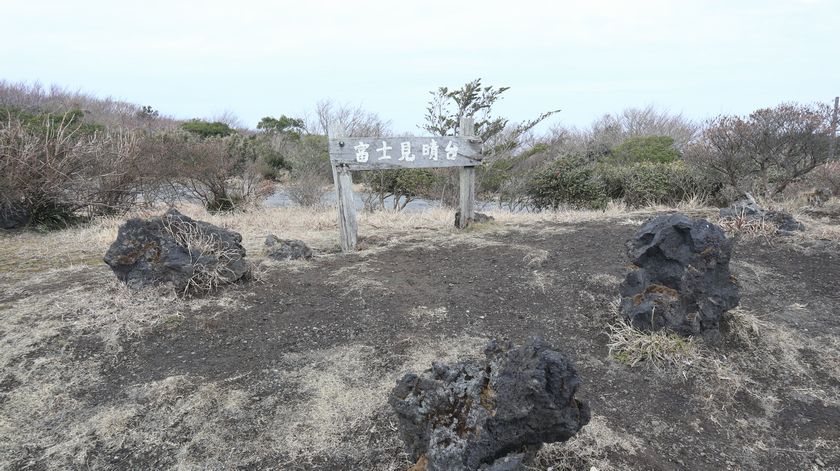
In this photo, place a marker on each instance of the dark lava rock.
(490, 414)
(12, 218)
(785, 223)
(175, 249)
(283, 249)
(477, 217)
(682, 282)
(749, 209)
(746, 207)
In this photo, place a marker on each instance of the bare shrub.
(54, 168)
(611, 130)
(827, 176)
(108, 112)
(221, 172)
(310, 162)
(766, 151)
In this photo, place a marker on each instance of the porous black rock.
(745, 207)
(286, 249)
(784, 222)
(489, 414)
(477, 218)
(13, 218)
(749, 209)
(175, 249)
(681, 280)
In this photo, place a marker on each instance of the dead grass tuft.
(200, 244)
(586, 450)
(658, 349)
(345, 415)
(749, 227)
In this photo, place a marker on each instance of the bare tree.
(610, 131)
(767, 150)
(354, 120)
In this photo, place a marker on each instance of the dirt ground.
(292, 370)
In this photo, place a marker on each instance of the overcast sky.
(258, 58)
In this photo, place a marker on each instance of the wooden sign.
(375, 153)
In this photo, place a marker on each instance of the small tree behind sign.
(377, 153)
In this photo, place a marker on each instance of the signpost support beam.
(466, 200)
(343, 179)
(834, 118)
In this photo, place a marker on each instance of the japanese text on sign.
(431, 151)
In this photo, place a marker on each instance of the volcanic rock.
(477, 217)
(286, 249)
(490, 414)
(682, 280)
(175, 249)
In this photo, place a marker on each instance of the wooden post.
(833, 142)
(466, 198)
(344, 197)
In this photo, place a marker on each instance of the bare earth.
(292, 370)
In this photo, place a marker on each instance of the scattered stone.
(491, 414)
(12, 218)
(286, 249)
(477, 218)
(175, 249)
(748, 208)
(682, 280)
(820, 196)
(784, 222)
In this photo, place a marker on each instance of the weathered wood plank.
(373, 153)
(466, 198)
(343, 180)
(348, 227)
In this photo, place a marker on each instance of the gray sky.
(258, 58)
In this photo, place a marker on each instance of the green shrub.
(404, 185)
(645, 183)
(568, 181)
(657, 149)
(206, 129)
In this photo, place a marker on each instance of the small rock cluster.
(748, 208)
(477, 218)
(11, 218)
(286, 249)
(681, 280)
(491, 414)
(175, 249)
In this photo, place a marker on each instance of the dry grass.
(346, 391)
(762, 348)
(199, 243)
(52, 328)
(189, 422)
(587, 450)
(749, 227)
(658, 349)
(56, 294)
(317, 227)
